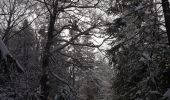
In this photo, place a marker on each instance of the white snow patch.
(3, 49)
(167, 94)
(5, 52)
(139, 7)
(146, 56)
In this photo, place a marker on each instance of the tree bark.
(166, 11)
(44, 81)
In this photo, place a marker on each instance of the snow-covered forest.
(84, 50)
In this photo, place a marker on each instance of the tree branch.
(74, 38)
(63, 81)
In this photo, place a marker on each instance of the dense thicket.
(140, 52)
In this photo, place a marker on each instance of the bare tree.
(14, 12)
(55, 9)
(166, 11)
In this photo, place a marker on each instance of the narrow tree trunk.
(166, 11)
(44, 82)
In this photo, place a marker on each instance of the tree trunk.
(166, 11)
(44, 82)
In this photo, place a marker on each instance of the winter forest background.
(84, 50)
